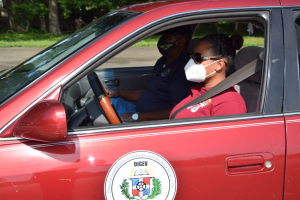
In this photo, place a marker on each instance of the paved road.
(13, 56)
(132, 57)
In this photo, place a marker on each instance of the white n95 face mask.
(196, 72)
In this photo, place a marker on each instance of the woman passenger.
(211, 59)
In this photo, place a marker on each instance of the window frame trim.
(291, 100)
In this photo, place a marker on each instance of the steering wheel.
(103, 98)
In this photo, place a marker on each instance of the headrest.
(192, 44)
(247, 55)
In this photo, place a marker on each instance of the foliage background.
(23, 27)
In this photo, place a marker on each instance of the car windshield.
(18, 77)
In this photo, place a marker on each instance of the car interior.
(83, 109)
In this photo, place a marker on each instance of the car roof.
(209, 4)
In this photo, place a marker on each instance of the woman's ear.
(221, 64)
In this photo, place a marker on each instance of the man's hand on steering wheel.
(112, 93)
(103, 98)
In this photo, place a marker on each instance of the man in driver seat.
(167, 87)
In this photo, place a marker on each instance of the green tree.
(26, 11)
(22, 11)
(7, 4)
(107, 5)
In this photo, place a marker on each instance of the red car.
(45, 153)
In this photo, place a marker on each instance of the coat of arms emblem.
(141, 186)
(141, 175)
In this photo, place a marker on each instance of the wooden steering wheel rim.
(103, 99)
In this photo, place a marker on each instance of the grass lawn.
(248, 41)
(45, 40)
(253, 41)
(28, 39)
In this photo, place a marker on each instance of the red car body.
(212, 159)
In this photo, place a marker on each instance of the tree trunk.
(43, 24)
(7, 4)
(217, 27)
(53, 18)
(236, 26)
(27, 26)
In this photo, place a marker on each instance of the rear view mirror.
(45, 122)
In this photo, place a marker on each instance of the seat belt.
(240, 75)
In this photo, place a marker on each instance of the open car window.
(132, 69)
(141, 54)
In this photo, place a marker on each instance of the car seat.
(192, 44)
(249, 89)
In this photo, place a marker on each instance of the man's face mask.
(165, 47)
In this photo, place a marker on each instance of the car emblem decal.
(194, 108)
(166, 72)
(140, 175)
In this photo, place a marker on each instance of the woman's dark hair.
(221, 47)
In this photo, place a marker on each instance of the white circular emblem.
(140, 175)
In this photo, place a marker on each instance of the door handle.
(249, 163)
(114, 82)
(246, 163)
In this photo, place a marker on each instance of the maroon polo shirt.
(228, 102)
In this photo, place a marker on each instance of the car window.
(133, 69)
(248, 40)
(23, 74)
(141, 54)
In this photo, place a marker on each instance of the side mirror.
(45, 122)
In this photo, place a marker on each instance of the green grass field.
(248, 41)
(45, 40)
(28, 39)
(207, 28)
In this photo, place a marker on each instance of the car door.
(291, 100)
(226, 157)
